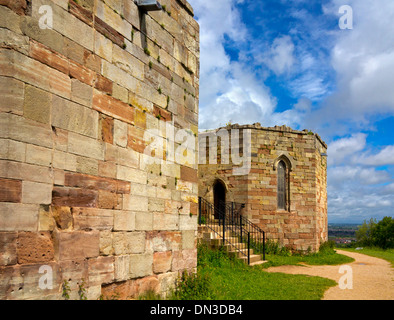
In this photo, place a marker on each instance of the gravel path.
(373, 278)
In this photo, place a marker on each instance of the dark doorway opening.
(219, 198)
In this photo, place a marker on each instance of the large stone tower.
(83, 85)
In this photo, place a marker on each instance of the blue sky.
(288, 62)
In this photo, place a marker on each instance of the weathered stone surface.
(76, 245)
(77, 191)
(18, 217)
(21, 67)
(188, 174)
(185, 259)
(8, 253)
(130, 289)
(92, 218)
(19, 6)
(36, 192)
(162, 261)
(103, 84)
(33, 247)
(120, 133)
(113, 107)
(101, 270)
(141, 265)
(128, 242)
(85, 146)
(63, 217)
(38, 155)
(10, 190)
(12, 93)
(81, 13)
(74, 197)
(124, 220)
(37, 104)
(49, 57)
(81, 92)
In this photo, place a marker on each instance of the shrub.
(379, 234)
(327, 247)
(191, 286)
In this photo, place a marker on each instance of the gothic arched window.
(282, 183)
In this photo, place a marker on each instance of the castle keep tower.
(280, 175)
(82, 204)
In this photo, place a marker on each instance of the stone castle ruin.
(99, 170)
(278, 175)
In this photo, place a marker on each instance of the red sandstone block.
(82, 73)
(161, 113)
(131, 288)
(189, 174)
(18, 6)
(34, 247)
(77, 245)
(49, 57)
(113, 107)
(101, 270)
(162, 261)
(74, 197)
(107, 129)
(95, 183)
(92, 218)
(103, 84)
(81, 13)
(185, 259)
(135, 139)
(108, 31)
(10, 190)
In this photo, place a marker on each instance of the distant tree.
(383, 233)
(380, 234)
(364, 233)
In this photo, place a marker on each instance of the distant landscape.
(344, 234)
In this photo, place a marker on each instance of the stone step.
(240, 252)
(253, 258)
(212, 236)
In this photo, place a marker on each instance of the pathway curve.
(373, 278)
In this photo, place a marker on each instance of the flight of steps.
(214, 240)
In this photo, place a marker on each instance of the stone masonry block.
(8, 241)
(141, 265)
(18, 217)
(10, 190)
(76, 245)
(12, 93)
(34, 247)
(35, 192)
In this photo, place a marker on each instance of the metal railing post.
(248, 248)
(264, 245)
(199, 210)
(224, 226)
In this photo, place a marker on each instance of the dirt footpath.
(372, 278)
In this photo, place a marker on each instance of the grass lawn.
(222, 278)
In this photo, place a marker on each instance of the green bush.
(191, 286)
(379, 234)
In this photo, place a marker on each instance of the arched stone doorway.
(219, 197)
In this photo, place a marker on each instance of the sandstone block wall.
(303, 224)
(78, 195)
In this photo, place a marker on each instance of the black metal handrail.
(226, 218)
(255, 233)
